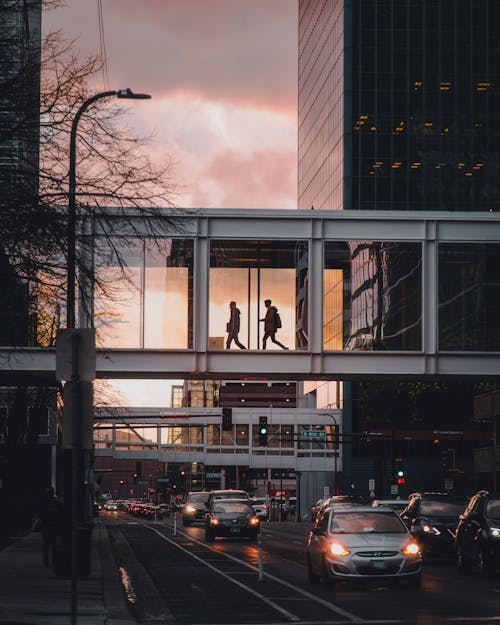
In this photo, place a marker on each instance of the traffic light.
(227, 419)
(263, 431)
(138, 468)
(122, 482)
(400, 477)
(136, 478)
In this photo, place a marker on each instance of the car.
(432, 518)
(214, 495)
(342, 501)
(111, 505)
(362, 543)
(316, 507)
(231, 518)
(260, 505)
(477, 540)
(394, 504)
(194, 507)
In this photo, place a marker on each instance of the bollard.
(155, 521)
(259, 550)
(175, 523)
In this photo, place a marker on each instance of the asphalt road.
(179, 578)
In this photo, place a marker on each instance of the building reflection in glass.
(372, 296)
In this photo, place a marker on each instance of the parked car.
(260, 505)
(477, 540)
(362, 543)
(432, 518)
(394, 504)
(194, 507)
(231, 518)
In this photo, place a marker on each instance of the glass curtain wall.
(372, 296)
(469, 296)
(143, 293)
(248, 273)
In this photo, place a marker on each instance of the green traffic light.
(263, 430)
(400, 473)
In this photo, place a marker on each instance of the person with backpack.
(233, 326)
(272, 323)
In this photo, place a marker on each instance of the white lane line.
(275, 606)
(326, 604)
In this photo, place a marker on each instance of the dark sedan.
(231, 518)
(432, 518)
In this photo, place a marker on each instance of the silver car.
(362, 543)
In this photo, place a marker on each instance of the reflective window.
(143, 293)
(372, 296)
(258, 295)
(469, 297)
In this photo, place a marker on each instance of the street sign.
(213, 476)
(163, 479)
(313, 434)
(448, 484)
(85, 339)
(394, 489)
(371, 484)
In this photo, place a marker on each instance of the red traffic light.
(401, 480)
(122, 482)
(183, 473)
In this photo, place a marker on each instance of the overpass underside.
(360, 295)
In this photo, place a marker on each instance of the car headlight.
(495, 532)
(411, 549)
(430, 529)
(189, 508)
(214, 521)
(337, 549)
(253, 520)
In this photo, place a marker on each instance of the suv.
(432, 518)
(213, 495)
(195, 507)
(477, 540)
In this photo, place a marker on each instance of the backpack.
(277, 320)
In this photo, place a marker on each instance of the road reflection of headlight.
(429, 529)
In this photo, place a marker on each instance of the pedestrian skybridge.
(359, 295)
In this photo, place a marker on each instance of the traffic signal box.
(263, 430)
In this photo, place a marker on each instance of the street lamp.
(120, 93)
(75, 410)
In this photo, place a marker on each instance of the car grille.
(376, 554)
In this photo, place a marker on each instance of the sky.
(223, 80)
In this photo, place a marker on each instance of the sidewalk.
(31, 594)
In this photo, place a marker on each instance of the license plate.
(235, 530)
(378, 564)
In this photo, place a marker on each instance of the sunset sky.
(223, 76)
(223, 80)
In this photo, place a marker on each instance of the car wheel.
(325, 579)
(482, 561)
(461, 562)
(311, 575)
(415, 581)
(209, 537)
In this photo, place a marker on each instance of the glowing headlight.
(429, 529)
(253, 520)
(336, 549)
(189, 508)
(495, 532)
(214, 521)
(411, 549)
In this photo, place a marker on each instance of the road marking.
(326, 604)
(275, 606)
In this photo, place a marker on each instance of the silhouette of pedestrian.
(49, 518)
(272, 323)
(233, 326)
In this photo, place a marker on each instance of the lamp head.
(129, 94)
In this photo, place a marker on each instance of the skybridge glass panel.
(469, 296)
(249, 282)
(144, 293)
(372, 296)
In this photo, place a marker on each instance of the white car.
(393, 504)
(362, 543)
(260, 505)
(111, 505)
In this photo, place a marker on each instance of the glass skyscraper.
(398, 104)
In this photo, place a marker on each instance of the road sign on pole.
(313, 434)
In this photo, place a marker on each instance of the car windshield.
(232, 507)
(234, 494)
(442, 508)
(393, 505)
(366, 522)
(493, 509)
(197, 498)
(258, 502)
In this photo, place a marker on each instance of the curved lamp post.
(120, 93)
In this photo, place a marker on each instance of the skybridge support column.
(316, 294)
(430, 297)
(200, 294)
